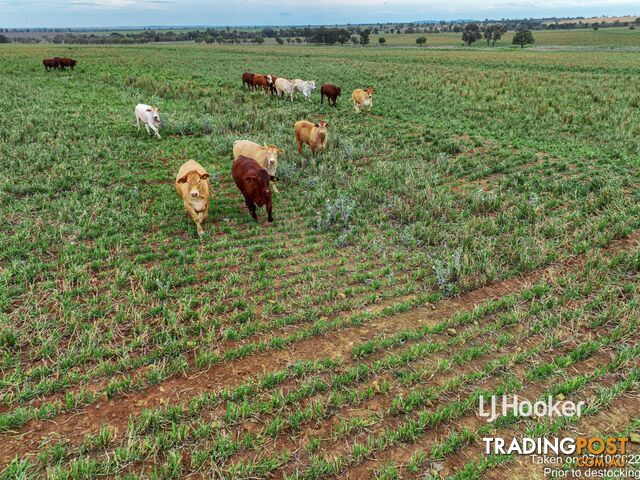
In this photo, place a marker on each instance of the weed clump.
(336, 215)
(448, 270)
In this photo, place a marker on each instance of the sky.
(104, 13)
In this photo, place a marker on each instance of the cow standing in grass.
(149, 116)
(266, 156)
(331, 92)
(305, 87)
(192, 184)
(362, 98)
(314, 135)
(67, 62)
(253, 181)
(285, 87)
(262, 81)
(247, 79)
(50, 63)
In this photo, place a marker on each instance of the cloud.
(120, 4)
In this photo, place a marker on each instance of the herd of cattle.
(284, 87)
(254, 166)
(59, 62)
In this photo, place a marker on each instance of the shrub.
(336, 214)
(448, 270)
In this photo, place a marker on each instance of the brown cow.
(50, 63)
(67, 62)
(247, 79)
(331, 92)
(253, 181)
(262, 81)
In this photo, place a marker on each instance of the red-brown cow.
(331, 92)
(247, 79)
(253, 181)
(262, 81)
(50, 63)
(67, 62)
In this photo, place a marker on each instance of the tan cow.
(266, 156)
(314, 135)
(362, 98)
(192, 184)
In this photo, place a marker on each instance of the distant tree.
(364, 37)
(638, 21)
(209, 39)
(523, 37)
(259, 40)
(595, 26)
(493, 33)
(421, 41)
(355, 40)
(4, 39)
(382, 40)
(457, 29)
(298, 40)
(342, 37)
(471, 33)
(279, 40)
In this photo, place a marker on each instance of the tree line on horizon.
(471, 32)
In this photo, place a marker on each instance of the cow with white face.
(305, 87)
(149, 116)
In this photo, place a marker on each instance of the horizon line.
(426, 21)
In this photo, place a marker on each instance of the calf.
(149, 116)
(362, 98)
(253, 181)
(266, 156)
(192, 184)
(314, 135)
(305, 87)
(285, 87)
(247, 79)
(331, 92)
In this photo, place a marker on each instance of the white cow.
(149, 116)
(305, 87)
(285, 87)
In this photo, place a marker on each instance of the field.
(477, 233)
(626, 18)
(611, 37)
